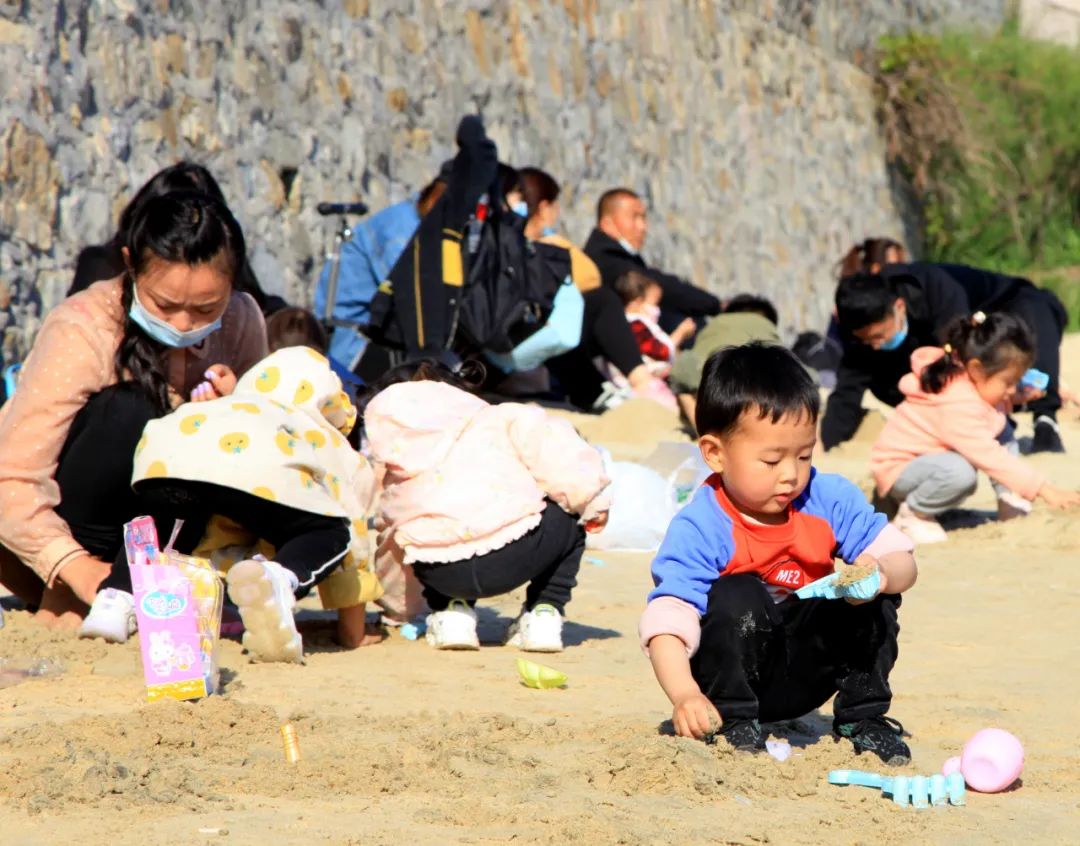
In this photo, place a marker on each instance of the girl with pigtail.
(952, 424)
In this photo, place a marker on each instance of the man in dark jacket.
(615, 245)
(884, 317)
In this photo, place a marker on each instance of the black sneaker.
(880, 735)
(1047, 436)
(743, 735)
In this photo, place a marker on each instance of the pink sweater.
(464, 478)
(957, 420)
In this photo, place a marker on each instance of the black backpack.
(510, 285)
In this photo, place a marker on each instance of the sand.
(403, 745)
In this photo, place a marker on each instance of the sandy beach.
(404, 745)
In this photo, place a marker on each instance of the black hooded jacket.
(681, 298)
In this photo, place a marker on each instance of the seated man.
(615, 245)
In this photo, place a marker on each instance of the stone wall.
(746, 123)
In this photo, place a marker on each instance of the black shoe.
(743, 735)
(880, 735)
(1047, 436)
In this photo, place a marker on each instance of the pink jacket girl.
(481, 499)
(952, 424)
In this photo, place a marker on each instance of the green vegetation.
(985, 128)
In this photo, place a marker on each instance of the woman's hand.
(220, 382)
(84, 576)
(1058, 498)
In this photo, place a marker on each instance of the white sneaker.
(111, 617)
(921, 530)
(454, 628)
(263, 593)
(611, 396)
(1012, 505)
(538, 630)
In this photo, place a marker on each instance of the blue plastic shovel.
(913, 791)
(827, 588)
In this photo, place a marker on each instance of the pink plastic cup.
(991, 760)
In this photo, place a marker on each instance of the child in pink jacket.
(482, 499)
(952, 424)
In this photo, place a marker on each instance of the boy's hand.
(221, 381)
(695, 716)
(1058, 498)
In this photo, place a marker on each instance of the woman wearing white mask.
(106, 361)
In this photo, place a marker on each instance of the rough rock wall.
(745, 123)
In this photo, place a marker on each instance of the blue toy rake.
(908, 791)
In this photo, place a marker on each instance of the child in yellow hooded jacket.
(268, 469)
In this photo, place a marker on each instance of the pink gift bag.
(178, 600)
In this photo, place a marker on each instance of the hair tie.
(948, 349)
(978, 318)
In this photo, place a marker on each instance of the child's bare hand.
(695, 716)
(684, 331)
(220, 382)
(597, 523)
(1059, 498)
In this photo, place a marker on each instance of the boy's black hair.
(742, 303)
(765, 377)
(863, 299)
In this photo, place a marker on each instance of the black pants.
(96, 498)
(768, 661)
(1046, 317)
(605, 332)
(547, 558)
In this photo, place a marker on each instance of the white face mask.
(626, 246)
(651, 311)
(165, 333)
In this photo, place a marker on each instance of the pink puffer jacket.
(464, 477)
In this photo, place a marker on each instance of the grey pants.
(937, 482)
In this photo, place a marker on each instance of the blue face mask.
(164, 333)
(520, 208)
(896, 340)
(548, 231)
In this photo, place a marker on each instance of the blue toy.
(1035, 379)
(908, 791)
(828, 588)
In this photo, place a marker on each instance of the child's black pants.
(548, 558)
(777, 661)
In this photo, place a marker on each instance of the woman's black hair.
(180, 228)
(468, 375)
(863, 299)
(997, 340)
(765, 378)
(537, 186)
(182, 176)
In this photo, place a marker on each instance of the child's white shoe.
(111, 617)
(1012, 505)
(454, 628)
(263, 593)
(921, 530)
(538, 630)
